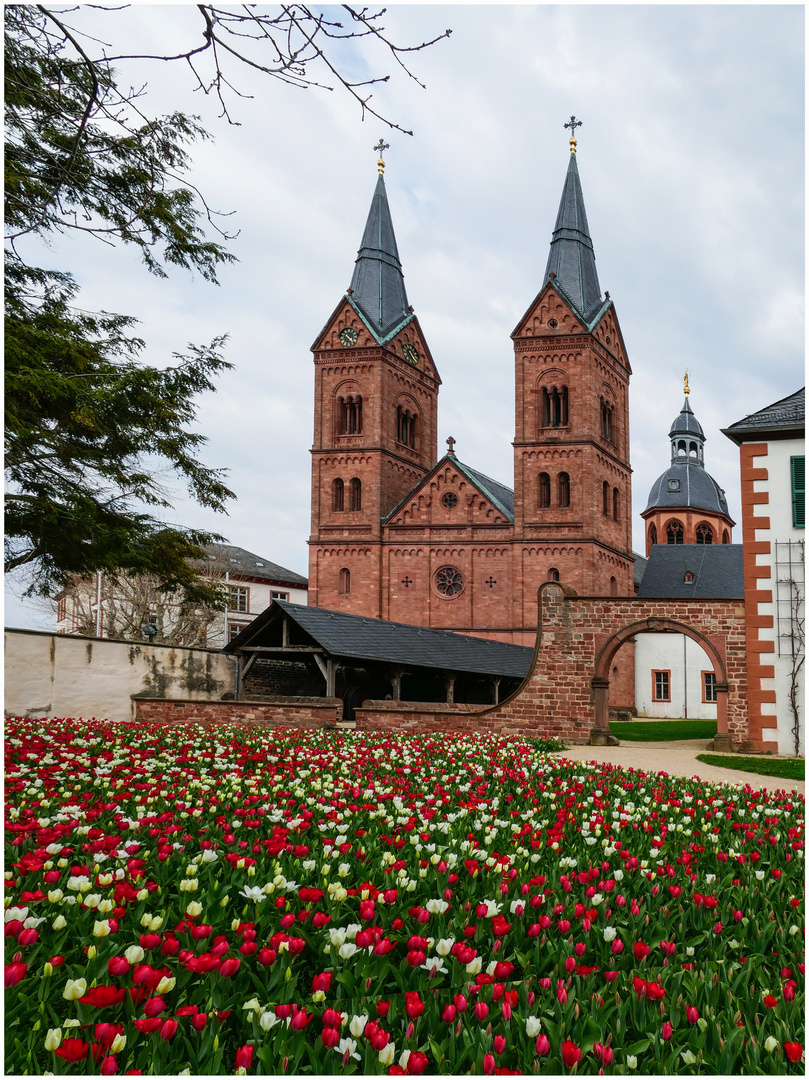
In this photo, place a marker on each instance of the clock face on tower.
(410, 354)
(348, 336)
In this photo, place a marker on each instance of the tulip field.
(181, 899)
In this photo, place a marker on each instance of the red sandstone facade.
(399, 534)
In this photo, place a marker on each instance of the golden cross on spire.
(380, 148)
(685, 383)
(574, 123)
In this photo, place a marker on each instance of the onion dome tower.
(686, 505)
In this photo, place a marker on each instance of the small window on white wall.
(279, 596)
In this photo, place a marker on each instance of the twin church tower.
(401, 534)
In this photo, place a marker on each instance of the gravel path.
(678, 759)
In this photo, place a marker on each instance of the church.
(401, 534)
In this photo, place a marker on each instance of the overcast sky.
(691, 159)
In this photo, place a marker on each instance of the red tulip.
(100, 997)
(449, 1014)
(266, 956)
(117, 966)
(416, 1063)
(332, 1018)
(488, 1064)
(692, 1015)
(199, 1021)
(150, 941)
(148, 1025)
(229, 967)
(481, 1010)
(571, 1054)
(244, 1056)
(28, 936)
(15, 973)
(322, 982)
(666, 1031)
(109, 1066)
(499, 1044)
(72, 1050)
(330, 1037)
(641, 950)
(106, 1033)
(382, 1008)
(153, 1006)
(168, 1029)
(414, 1006)
(770, 1001)
(561, 994)
(794, 1051)
(300, 1019)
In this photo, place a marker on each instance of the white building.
(134, 609)
(772, 451)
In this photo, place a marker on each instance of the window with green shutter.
(797, 468)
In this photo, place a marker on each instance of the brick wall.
(579, 638)
(282, 712)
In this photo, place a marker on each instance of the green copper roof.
(571, 257)
(378, 290)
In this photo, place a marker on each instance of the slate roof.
(696, 490)
(572, 258)
(378, 290)
(237, 560)
(500, 495)
(686, 423)
(639, 568)
(360, 638)
(784, 416)
(717, 568)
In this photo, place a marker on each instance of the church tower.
(376, 420)
(572, 486)
(686, 505)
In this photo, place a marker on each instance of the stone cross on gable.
(451, 445)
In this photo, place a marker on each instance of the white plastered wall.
(778, 485)
(685, 660)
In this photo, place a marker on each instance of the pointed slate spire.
(571, 257)
(378, 281)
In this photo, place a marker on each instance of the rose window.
(449, 582)
(450, 500)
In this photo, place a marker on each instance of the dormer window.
(674, 485)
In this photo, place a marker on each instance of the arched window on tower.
(606, 420)
(564, 489)
(615, 499)
(693, 451)
(652, 534)
(704, 534)
(337, 495)
(355, 494)
(350, 415)
(553, 406)
(544, 490)
(674, 533)
(406, 427)
(605, 499)
(725, 536)
(344, 582)
(553, 574)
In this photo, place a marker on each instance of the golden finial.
(380, 148)
(574, 123)
(685, 383)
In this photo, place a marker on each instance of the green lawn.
(662, 730)
(786, 768)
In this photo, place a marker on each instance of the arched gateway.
(566, 692)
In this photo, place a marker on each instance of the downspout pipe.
(235, 660)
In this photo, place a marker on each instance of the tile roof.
(361, 638)
(377, 285)
(237, 560)
(572, 258)
(717, 571)
(639, 568)
(787, 414)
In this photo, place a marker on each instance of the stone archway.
(600, 681)
(566, 690)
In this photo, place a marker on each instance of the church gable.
(347, 321)
(449, 498)
(550, 313)
(608, 331)
(410, 346)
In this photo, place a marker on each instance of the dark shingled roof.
(640, 568)
(717, 569)
(378, 283)
(696, 489)
(784, 416)
(237, 560)
(572, 258)
(361, 638)
(686, 423)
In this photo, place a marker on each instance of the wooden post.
(396, 683)
(449, 682)
(285, 632)
(495, 689)
(331, 677)
(722, 741)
